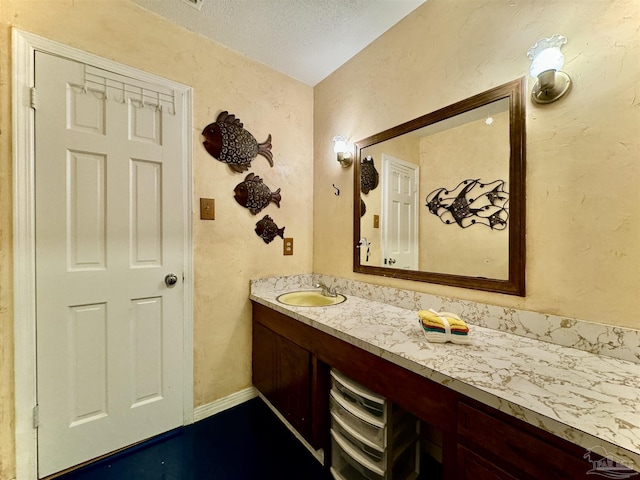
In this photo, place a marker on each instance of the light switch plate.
(288, 246)
(207, 209)
(376, 221)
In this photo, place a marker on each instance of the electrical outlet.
(207, 209)
(288, 246)
(376, 221)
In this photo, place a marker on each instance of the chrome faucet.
(326, 291)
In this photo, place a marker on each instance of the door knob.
(170, 280)
(392, 261)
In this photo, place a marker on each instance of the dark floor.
(246, 442)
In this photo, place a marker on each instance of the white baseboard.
(222, 404)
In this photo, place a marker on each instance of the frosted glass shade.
(340, 144)
(546, 55)
(548, 59)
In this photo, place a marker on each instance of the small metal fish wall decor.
(268, 230)
(227, 141)
(253, 194)
(368, 175)
(472, 203)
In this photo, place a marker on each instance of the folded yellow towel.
(433, 318)
(440, 327)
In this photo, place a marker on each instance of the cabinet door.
(519, 447)
(264, 359)
(474, 467)
(282, 373)
(294, 386)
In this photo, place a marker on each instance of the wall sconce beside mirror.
(441, 198)
(342, 150)
(546, 62)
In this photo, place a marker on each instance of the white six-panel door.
(109, 228)
(400, 210)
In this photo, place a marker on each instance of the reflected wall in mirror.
(449, 204)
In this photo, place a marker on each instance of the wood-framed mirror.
(441, 198)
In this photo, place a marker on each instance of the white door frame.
(24, 263)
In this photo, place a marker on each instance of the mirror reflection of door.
(399, 213)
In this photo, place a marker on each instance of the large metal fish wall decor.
(472, 203)
(227, 141)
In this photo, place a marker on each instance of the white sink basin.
(309, 298)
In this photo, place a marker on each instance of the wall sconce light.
(546, 62)
(341, 148)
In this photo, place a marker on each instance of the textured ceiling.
(305, 39)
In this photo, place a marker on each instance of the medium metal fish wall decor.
(227, 141)
(268, 230)
(253, 194)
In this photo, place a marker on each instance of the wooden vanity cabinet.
(291, 369)
(293, 380)
(278, 339)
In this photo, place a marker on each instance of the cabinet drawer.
(394, 457)
(374, 452)
(510, 442)
(363, 398)
(347, 463)
(368, 427)
(350, 462)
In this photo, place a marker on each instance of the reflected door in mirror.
(399, 229)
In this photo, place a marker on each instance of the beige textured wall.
(473, 150)
(227, 251)
(583, 153)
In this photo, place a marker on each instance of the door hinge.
(36, 416)
(33, 98)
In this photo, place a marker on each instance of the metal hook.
(337, 192)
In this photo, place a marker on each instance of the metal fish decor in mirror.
(472, 203)
(253, 194)
(368, 175)
(268, 230)
(227, 141)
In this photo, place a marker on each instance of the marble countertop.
(588, 399)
